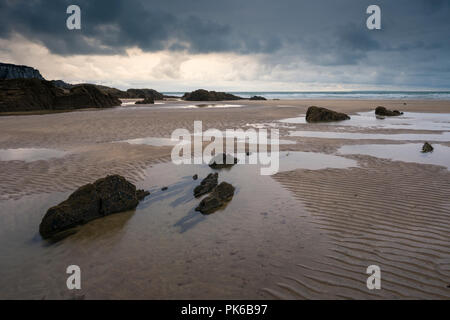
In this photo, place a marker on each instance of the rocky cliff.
(12, 71)
(18, 95)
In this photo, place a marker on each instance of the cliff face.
(12, 71)
(33, 94)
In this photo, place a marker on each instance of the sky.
(233, 45)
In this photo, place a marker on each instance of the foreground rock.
(221, 194)
(207, 185)
(317, 114)
(427, 148)
(257, 98)
(18, 95)
(382, 111)
(205, 95)
(222, 161)
(145, 101)
(94, 200)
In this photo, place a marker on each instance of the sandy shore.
(330, 223)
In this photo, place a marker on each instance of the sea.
(370, 95)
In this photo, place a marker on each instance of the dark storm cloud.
(321, 32)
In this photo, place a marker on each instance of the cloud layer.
(284, 43)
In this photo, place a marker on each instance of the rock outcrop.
(144, 94)
(382, 111)
(317, 114)
(145, 101)
(221, 194)
(13, 71)
(34, 94)
(94, 200)
(222, 161)
(257, 98)
(207, 185)
(205, 95)
(427, 148)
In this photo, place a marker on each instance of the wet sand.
(300, 234)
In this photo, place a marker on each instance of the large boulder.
(94, 200)
(382, 111)
(144, 93)
(207, 185)
(205, 95)
(85, 96)
(318, 114)
(221, 194)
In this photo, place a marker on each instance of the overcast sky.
(234, 45)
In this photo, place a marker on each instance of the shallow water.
(410, 152)
(164, 248)
(30, 154)
(445, 136)
(408, 121)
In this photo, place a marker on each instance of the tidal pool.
(410, 152)
(30, 154)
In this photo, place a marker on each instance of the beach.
(307, 232)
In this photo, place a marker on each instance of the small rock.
(223, 161)
(206, 185)
(317, 114)
(141, 194)
(195, 177)
(427, 148)
(221, 194)
(147, 100)
(164, 188)
(382, 111)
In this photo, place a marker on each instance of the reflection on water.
(445, 136)
(409, 121)
(164, 249)
(30, 154)
(410, 152)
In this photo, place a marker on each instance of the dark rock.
(206, 185)
(257, 98)
(144, 94)
(205, 95)
(164, 188)
(382, 111)
(317, 114)
(94, 200)
(427, 148)
(221, 194)
(195, 176)
(145, 101)
(141, 194)
(13, 71)
(34, 94)
(222, 161)
(61, 84)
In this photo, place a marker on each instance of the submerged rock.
(206, 185)
(427, 148)
(318, 114)
(222, 161)
(382, 111)
(94, 200)
(221, 194)
(145, 101)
